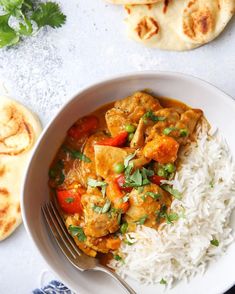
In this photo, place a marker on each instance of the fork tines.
(59, 231)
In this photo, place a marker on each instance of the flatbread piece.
(181, 25)
(19, 129)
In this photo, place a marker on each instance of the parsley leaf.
(12, 6)
(27, 6)
(48, 14)
(77, 231)
(215, 242)
(8, 36)
(24, 12)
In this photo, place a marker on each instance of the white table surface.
(45, 71)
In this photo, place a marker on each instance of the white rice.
(181, 250)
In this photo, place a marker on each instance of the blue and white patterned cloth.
(54, 287)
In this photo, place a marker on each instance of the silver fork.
(67, 245)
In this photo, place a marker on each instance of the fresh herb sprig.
(31, 17)
(169, 217)
(78, 232)
(76, 154)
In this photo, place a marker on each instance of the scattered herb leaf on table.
(30, 18)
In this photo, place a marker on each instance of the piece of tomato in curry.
(107, 175)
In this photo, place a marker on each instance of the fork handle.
(116, 277)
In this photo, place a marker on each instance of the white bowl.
(219, 108)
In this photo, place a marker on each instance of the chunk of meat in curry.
(110, 168)
(129, 110)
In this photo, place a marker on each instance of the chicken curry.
(110, 173)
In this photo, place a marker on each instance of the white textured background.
(43, 72)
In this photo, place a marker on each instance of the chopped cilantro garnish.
(211, 184)
(69, 200)
(106, 206)
(77, 231)
(77, 154)
(169, 217)
(167, 131)
(128, 242)
(162, 212)
(142, 220)
(103, 209)
(215, 242)
(163, 282)
(172, 217)
(140, 189)
(139, 178)
(119, 219)
(123, 228)
(117, 257)
(125, 198)
(94, 183)
(56, 173)
(128, 159)
(143, 197)
(174, 192)
(150, 115)
(183, 132)
(155, 196)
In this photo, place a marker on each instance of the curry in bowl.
(113, 169)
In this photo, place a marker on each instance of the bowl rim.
(83, 90)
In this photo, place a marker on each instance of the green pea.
(119, 168)
(123, 228)
(162, 173)
(130, 137)
(170, 168)
(130, 128)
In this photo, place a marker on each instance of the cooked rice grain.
(183, 249)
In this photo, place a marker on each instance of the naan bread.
(126, 2)
(19, 129)
(181, 25)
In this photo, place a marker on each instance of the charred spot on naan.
(147, 27)
(199, 20)
(199, 24)
(4, 192)
(16, 134)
